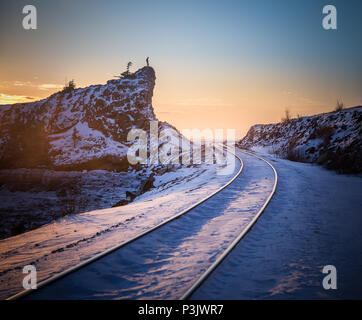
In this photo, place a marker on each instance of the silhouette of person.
(147, 61)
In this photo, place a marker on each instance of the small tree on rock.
(127, 73)
(69, 87)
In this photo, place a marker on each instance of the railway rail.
(50, 280)
(219, 260)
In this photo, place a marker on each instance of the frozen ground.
(313, 220)
(166, 262)
(30, 198)
(67, 241)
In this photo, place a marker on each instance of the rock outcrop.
(330, 139)
(78, 129)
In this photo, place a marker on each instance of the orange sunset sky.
(219, 64)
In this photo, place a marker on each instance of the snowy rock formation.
(80, 129)
(330, 139)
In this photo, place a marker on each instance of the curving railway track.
(218, 261)
(175, 256)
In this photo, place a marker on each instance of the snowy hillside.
(80, 129)
(330, 139)
(67, 153)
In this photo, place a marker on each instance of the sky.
(219, 64)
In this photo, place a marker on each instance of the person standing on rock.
(147, 61)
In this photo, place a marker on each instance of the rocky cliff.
(330, 139)
(78, 129)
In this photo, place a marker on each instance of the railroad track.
(198, 282)
(219, 260)
(48, 281)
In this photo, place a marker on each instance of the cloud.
(10, 99)
(170, 112)
(22, 84)
(311, 101)
(49, 86)
(298, 99)
(29, 84)
(204, 102)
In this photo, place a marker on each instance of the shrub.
(287, 116)
(339, 106)
(69, 87)
(295, 155)
(324, 132)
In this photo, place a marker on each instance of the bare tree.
(339, 106)
(287, 116)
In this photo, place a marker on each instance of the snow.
(313, 220)
(30, 198)
(101, 114)
(88, 138)
(164, 263)
(68, 241)
(332, 139)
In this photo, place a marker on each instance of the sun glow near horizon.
(6, 99)
(222, 65)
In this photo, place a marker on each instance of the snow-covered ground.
(30, 198)
(313, 220)
(164, 263)
(67, 241)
